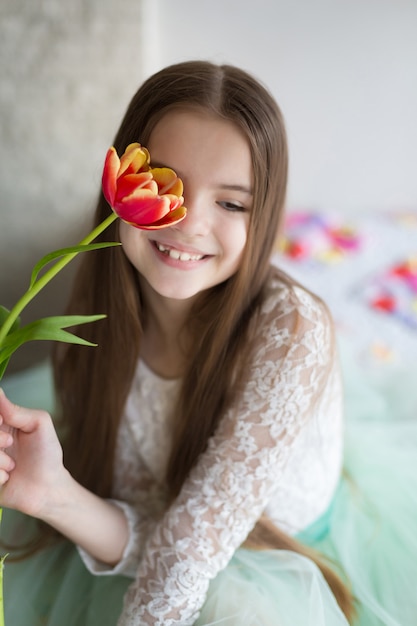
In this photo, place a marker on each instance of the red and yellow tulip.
(145, 197)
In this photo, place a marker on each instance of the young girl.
(202, 477)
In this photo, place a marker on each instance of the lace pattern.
(279, 450)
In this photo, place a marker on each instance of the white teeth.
(176, 254)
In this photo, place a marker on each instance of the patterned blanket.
(365, 268)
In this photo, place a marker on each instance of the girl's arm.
(35, 482)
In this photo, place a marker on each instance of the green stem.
(48, 276)
(1, 591)
(1, 583)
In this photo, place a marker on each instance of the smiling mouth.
(173, 253)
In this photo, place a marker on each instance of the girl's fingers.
(6, 439)
(6, 466)
(4, 477)
(6, 462)
(18, 417)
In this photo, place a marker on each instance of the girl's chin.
(170, 289)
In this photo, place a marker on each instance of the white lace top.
(278, 450)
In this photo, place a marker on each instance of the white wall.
(344, 73)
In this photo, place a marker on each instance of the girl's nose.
(197, 221)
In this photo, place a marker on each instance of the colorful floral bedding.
(365, 268)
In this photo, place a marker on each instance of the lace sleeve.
(231, 484)
(141, 499)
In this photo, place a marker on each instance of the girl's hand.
(31, 466)
(33, 480)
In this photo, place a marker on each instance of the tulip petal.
(132, 183)
(167, 180)
(171, 218)
(110, 171)
(134, 159)
(174, 201)
(143, 208)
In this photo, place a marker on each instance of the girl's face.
(212, 157)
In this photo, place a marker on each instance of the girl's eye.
(231, 206)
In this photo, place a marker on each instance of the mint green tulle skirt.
(369, 533)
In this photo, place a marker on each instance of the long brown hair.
(93, 384)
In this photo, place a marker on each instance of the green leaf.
(3, 366)
(63, 252)
(46, 329)
(4, 314)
